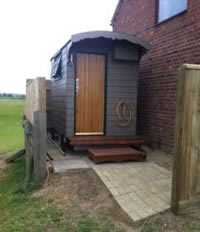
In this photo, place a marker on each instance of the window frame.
(158, 21)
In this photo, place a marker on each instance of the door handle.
(77, 85)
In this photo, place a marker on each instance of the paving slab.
(69, 165)
(141, 189)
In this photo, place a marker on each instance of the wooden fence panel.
(186, 173)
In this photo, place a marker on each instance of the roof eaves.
(60, 50)
(110, 35)
(107, 35)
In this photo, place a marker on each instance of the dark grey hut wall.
(70, 100)
(58, 98)
(121, 84)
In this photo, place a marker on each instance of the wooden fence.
(35, 127)
(186, 174)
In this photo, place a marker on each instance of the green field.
(11, 131)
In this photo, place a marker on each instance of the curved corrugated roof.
(108, 35)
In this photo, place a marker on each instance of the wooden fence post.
(36, 107)
(39, 147)
(186, 173)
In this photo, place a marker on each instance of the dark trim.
(75, 73)
(105, 92)
(105, 86)
(172, 17)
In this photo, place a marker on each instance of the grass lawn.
(11, 131)
(21, 212)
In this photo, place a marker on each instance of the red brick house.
(173, 28)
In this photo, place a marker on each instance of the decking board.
(105, 140)
(115, 155)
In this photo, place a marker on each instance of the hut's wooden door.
(90, 78)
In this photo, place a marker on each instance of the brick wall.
(174, 42)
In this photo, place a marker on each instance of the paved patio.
(141, 189)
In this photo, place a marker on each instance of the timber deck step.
(115, 155)
(105, 140)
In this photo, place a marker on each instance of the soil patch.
(166, 164)
(161, 158)
(83, 194)
(168, 222)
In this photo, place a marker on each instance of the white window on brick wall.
(170, 8)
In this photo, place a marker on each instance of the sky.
(31, 31)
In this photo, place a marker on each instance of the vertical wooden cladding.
(59, 97)
(90, 78)
(186, 175)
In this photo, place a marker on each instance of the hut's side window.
(56, 67)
